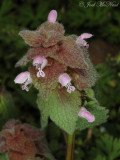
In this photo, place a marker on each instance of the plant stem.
(70, 147)
(65, 136)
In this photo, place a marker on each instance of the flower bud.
(86, 35)
(52, 16)
(86, 114)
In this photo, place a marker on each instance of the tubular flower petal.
(86, 114)
(65, 81)
(52, 16)
(87, 45)
(86, 35)
(80, 40)
(25, 79)
(40, 63)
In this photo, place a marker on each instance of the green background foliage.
(99, 143)
(4, 156)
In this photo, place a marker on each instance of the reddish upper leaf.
(84, 78)
(2, 144)
(20, 141)
(53, 33)
(50, 81)
(48, 26)
(48, 34)
(29, 152)
(42, 52)
(54, 39)
(17, 143)
(14, 141)
(13, 155)
(32, 133)
(70, 54)
(11, 124)
(32, 38)
(30, 149)
(23, 61)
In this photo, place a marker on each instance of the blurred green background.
(100, 143)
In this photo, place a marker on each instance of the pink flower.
(40, 63)
(24, 78)
(65, 81)
(80, 40)
(52, 16)
(86, 114)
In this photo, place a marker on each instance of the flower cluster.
(58, 61)
(21, 141)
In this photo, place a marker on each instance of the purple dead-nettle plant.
(63, 74)
(51, 50)
(22, 141)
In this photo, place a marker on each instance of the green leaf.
(62, 108)
(4, 156)
(47, 153)
(106, 147)
(28, 97)
(44, 109)
(7, 108)
(100, 158)
(90, 93)
(99, 112)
